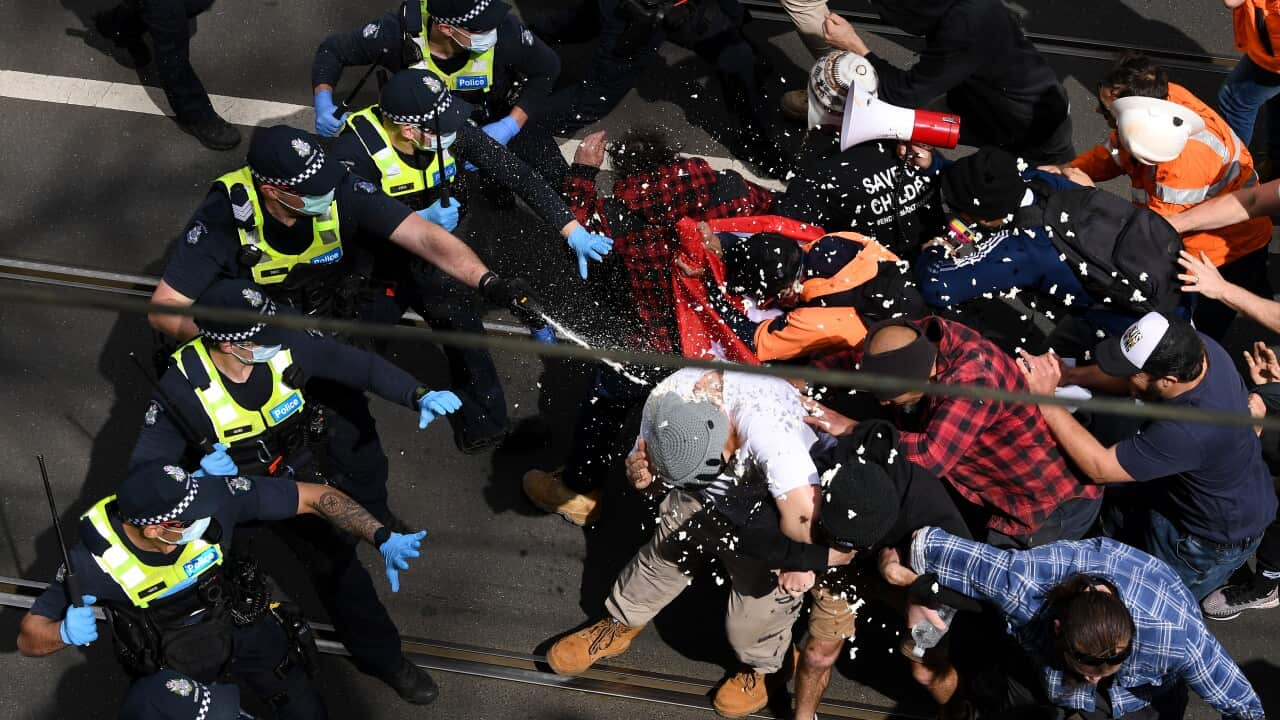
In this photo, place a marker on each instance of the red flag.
(702, 333)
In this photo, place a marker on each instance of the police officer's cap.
(238, 295)
(155, 493)
(168, 695)
(472, 15)
(290, 158)
(419, 97)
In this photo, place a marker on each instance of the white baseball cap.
(1130, 353)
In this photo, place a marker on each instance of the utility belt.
(284, 449)
(331, 291)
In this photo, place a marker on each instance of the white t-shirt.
(770, 422)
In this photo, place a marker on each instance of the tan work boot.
(573, 654)
(741, 695)
(795, 105)
(548, 492)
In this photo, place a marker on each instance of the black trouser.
(354, 451)
(624, 52)
(258, 651)
(346, 591)
(168, 21)
(1212, 317)
(601, 415)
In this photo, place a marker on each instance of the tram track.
(510, 666)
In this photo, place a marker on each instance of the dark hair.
(1092, 622)
(1135, 74)
(641, 150)
(1179, 354)
(763, 265)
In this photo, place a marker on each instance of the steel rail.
(1045, 42)
(510, 666)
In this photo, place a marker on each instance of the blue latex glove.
(396, 551)
(445, 217)
(436, 402)
(80, 627)
(326, 124)
(502, 130)
(588, 245)
(545, 335)
(218, 462)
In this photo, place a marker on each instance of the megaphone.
(869, 118)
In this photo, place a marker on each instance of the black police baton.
(185, 427)
(444, 179)
(346, 102)
(69, 579)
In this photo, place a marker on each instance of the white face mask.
(427, 143)
(481, 42)
(259, 354)
(194, 532)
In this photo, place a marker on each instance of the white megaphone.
(868, 118)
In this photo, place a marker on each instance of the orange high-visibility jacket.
(1257, 26)
(1213, 163)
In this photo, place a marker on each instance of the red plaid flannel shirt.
(996, 455)
(646, 241)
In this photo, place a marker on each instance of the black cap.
(762, 265)
(238, 295)
(292, 159)
(419, 97)
(168, 695)
(986, 184)
(154, 493)
(473, 15)
(860, 504)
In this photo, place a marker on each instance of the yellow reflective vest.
(476, 74)
(398, 178)
(231, 422)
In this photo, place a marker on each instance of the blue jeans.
(1202, 564)
(1245, 91)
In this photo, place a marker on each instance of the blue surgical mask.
(194, 532)
(482, 41)
(314, 205)
(260, 354)
(429, 145)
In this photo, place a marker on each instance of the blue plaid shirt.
(1172, 642)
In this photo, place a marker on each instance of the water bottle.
(545, 335)
(924, 635)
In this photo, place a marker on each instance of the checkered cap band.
(204, 697)
(470, 15)
(193, 488)
(313, 167)
(443, 101)
(268, 310)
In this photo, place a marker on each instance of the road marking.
(131, 97)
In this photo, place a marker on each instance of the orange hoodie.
(1213, 163)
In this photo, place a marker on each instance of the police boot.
(124, 29)
(412, 684)
(213, 132)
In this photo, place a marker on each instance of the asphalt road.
(109, 189)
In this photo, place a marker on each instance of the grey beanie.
(685, 438)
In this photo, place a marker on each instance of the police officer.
(167, 695)
(154, 555)
(394, 144)
(246, 386)
(484, 54)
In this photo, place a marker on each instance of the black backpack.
(1126, 256)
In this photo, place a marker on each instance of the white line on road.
(131, 97)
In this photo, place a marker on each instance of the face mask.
(194, 532)
(481, 42)
(429, 145)
(259, 354)
(313, 205)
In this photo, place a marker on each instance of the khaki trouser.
(808, 16)
(759, 628)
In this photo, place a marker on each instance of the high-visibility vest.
(231, 422)
(398, 178)
(274, 266)
(1257, 31)
(143, 583)
(476, 74)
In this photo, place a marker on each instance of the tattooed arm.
(338, 508)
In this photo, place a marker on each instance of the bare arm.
(1201, 276)
(39, 636)
(338, 508)
(180, 327)
(1229, 209)
(797, 509)
(1097, 462)
(435, 245)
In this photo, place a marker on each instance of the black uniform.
(259, 650)
(524, 73)
(342, 583)
(868, 189)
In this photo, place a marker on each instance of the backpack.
(1126, 256)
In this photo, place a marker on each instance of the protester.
(1215, 497)
(1255, 80)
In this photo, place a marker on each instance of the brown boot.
(548, 493)
(741, 695)
(573, 654)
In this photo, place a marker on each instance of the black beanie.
(986, 184)
(762, 265)
(860, 504)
